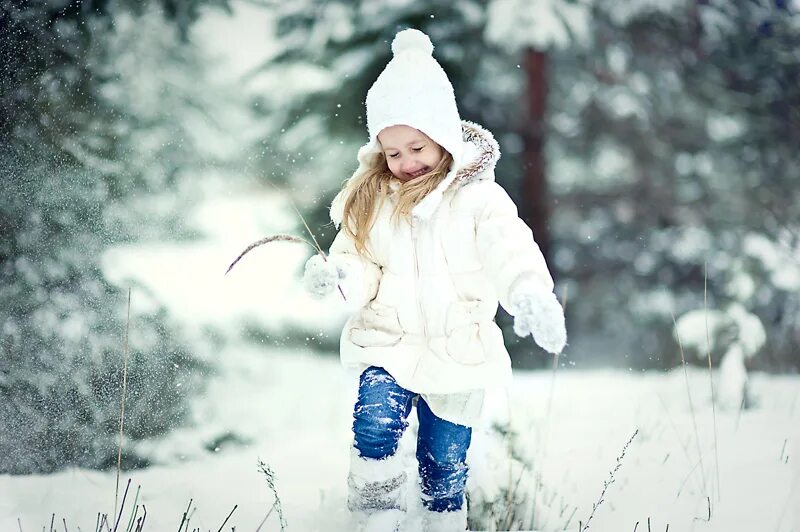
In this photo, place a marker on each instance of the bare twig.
(122, 404)
(607, 483)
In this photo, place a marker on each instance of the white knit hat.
(414, 90)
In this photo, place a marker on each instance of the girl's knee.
(377, 437)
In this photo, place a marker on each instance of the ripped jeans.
(380, 418)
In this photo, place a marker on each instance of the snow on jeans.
(380, 418)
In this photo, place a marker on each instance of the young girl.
(428, 244)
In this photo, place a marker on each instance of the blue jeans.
(381, 414)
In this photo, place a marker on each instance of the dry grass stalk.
(309, 231)
(135, 509)
(711, 378)
(122, 406)
(270, 476)
(569, 519)
(142, 519)
(266, 240)
(284, 238)
(675, 429)
(691, 403)
(185, 515)
(226, 519)
(607, 483)
(546, 433)
(122, 507)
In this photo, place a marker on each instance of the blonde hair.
(370, 188)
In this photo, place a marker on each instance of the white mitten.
(321, 277)
(537, 312)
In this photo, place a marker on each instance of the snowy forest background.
(652, 147)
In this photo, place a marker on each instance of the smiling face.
(409, 152)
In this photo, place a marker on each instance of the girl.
(428, 243)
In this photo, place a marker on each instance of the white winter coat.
(427, 299)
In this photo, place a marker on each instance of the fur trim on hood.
(480, 154)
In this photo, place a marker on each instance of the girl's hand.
(537, 312)
(321, 277)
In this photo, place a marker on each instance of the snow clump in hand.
(321, 277)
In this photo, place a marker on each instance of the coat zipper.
(417, 279)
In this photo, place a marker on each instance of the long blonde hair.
(370, 188)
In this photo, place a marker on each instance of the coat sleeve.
(507, 250)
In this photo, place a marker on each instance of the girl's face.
(409, 152)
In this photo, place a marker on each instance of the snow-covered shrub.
(62, 329)
(731, 336)
(103, 121)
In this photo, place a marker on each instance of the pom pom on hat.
(414, 90)
(412, 39)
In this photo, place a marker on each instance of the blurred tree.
(87, 147)
(528, 31)
(672, 142)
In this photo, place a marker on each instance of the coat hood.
(480, 153)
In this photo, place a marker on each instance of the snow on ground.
(292, 408)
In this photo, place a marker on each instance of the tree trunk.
(534, 207)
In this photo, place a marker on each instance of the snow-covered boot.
(377, 492)
(455, 521)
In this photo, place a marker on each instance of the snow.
(291, 409)
(294, 408)
(777, 258)
(253, 46)
(623, 12)
(698, 327)
(539, 24)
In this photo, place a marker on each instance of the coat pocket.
(376, 325)
(464, 343)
